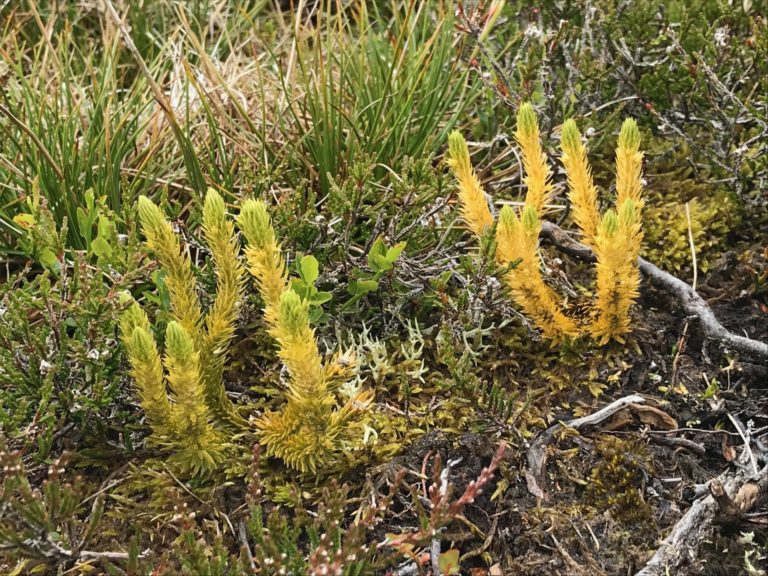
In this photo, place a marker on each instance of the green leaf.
(382, 259)
(163, 295)
(83, 224)
(106, 226)
(448, 562)
(101, 248)
(310, 269)
(712, 389)
(89, 201)
(361, 287)
(320, 298)
(49, 260)
(300, 287)
(379, 263)
(394, 252)
(378, 250)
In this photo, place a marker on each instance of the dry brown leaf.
(729, 452)
(653, 417)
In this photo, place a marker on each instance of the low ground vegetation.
(393, 287)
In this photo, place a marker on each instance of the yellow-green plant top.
(298, 346)
(263, 255)
(213, 332)
(195, 344)
(180, 280)
(183, 395)
(312, 429)
(146, 369)
(629, 165)
(619, 241)
(201, 448)
(182, 422)
(517, 240)
(474, 205)
(582, 192)
(537, 173)
(221, 319)
(617, 247)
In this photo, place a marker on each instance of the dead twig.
(745, 439)
(693, 304)
(684, 443)
(242, 536)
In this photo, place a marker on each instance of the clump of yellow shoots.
(315, 425)
(517, 241)
(616, 237)
(211, 333)
(183, 393)
(474, 205)
(182, 422)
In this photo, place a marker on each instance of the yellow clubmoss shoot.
(582, 192)
(146, 367)
(298, 347)
(537, 172)
(629, 163)
(517, 240)
(147, 372)
(201, 446)
(263, 255)
(179, 280)
(618, 279)
(474, 205)
(309, 430)
(221, 320)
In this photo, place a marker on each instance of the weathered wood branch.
(682, 544)
(744, 500)
(693, 303)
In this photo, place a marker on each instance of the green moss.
(714, 215)
(615, 484)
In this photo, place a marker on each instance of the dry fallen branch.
(681, 545)
(744, 500)
(694, 304)
(695, 447)
(537, 453)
